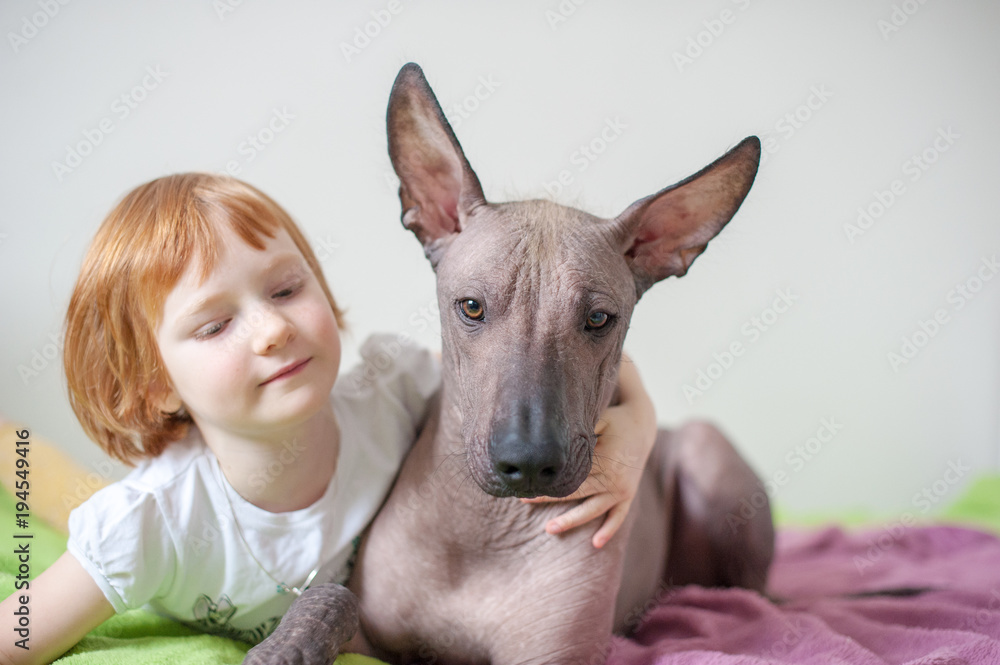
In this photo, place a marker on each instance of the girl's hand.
(626, 433)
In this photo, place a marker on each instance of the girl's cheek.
(319, 318)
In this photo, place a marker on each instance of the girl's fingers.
(545, 499)
(614, 520)
(593, 507)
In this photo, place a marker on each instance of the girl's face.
(255, 347)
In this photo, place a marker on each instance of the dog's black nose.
(528, 455)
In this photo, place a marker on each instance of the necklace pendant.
(284, 588)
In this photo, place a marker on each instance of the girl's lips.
(287, 371)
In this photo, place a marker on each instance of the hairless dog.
(535, 300)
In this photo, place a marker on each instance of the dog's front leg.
(316, 626)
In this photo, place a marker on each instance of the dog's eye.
(597, 320)
(473, 309)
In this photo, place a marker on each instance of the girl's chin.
(299, 411)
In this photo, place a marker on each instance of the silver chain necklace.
(281, 586)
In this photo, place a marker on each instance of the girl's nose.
(275, 331)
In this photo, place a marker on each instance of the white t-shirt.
(164, 537)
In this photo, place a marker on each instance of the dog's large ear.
(438, 188)
(661, 235)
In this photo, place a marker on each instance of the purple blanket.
(823, 615)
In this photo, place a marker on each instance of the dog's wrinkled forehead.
(528, 240)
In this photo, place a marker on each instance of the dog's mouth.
(503, 483)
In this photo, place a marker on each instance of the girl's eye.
(287, 291)
(473, 309)
(212, 330)
(597, 320)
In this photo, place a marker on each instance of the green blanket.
(143, 638)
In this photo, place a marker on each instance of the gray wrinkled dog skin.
(535, 301)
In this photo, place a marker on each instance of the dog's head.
(536, 297)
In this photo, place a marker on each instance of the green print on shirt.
(213, 617)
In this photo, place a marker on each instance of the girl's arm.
(626, 433)
(64, 604)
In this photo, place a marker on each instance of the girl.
(203, 342)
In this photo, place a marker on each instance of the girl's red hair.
(112, 362)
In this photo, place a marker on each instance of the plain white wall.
(845, 96)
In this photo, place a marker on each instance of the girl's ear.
(164, 397)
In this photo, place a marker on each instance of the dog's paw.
(281, 652)
(322, 619)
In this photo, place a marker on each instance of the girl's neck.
(280, 471)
